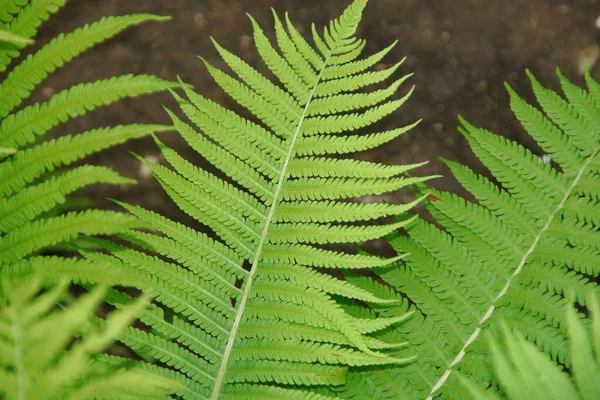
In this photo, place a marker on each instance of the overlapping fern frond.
(517, 255)
(49, 353)
(525, 373)
(32, 181)
(244, 313)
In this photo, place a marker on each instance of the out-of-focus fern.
(32, 182)
(48, 351)
(516, 256)
(245, 313)
(526, 373)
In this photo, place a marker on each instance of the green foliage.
(33, 180)
(526, 373)
(515, 257)
(244, 312)
(47, 350)
(253, 305)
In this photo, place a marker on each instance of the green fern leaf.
(516, 257)
(23, 126)
(46, 352)
(244, 311)
(29, 164)
(34, 200)
(33, 236)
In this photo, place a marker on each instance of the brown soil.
(461, 51)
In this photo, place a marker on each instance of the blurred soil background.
(461, 52)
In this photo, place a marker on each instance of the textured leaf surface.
(243, 311)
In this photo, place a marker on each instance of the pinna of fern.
(32, 178)
(48, 351)
(244, 312)
(516, 255)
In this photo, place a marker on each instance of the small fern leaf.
(551, 138)
(344, 84)
(330, 211)
(333, 144)
(34, 200)
(82, 271)
(284, 102)
(23, 18)
(33, 236)
(352, 102)
(29, 164)
(25, 125)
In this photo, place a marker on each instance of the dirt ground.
(461, 52)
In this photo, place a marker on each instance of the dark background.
(461, 51)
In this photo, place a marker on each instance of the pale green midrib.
(259, 248)
(531, 249)
(18, 350)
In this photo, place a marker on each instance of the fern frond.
(518, 255)
(29, 164)
(34, 200)
(47, 352)
(332, 144)
(33, 236)
(244, 308)
(24, 17)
